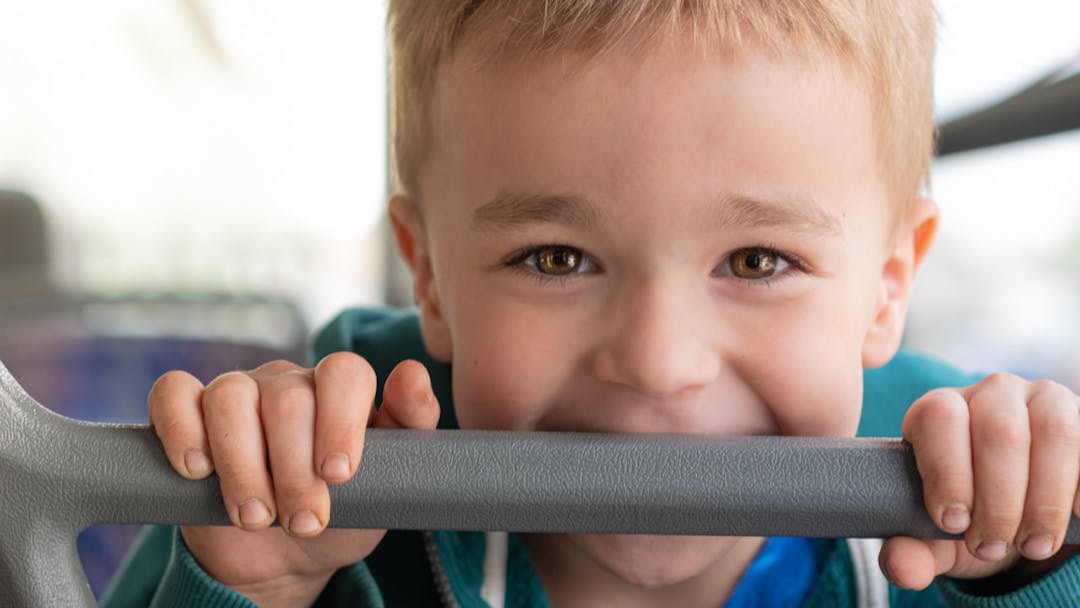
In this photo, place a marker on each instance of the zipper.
(442, 582)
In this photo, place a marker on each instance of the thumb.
(408, 400)
(910, 563)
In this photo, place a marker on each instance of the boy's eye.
(557, 260)
(552, 262)
(755, 263)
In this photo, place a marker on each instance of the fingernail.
(1039, 547)
(253, 512)
(196, 462)
(991, 551)
(336, 466)
(303, 523)
(956, 518)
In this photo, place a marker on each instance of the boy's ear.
(412, 243)
(913, 240)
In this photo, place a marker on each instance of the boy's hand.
(277, 436)
(1000, 463)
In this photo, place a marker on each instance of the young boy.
(635, 217)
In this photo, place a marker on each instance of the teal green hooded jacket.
(413, 568)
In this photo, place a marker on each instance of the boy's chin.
(655, 562)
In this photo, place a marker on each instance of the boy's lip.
(710, 413)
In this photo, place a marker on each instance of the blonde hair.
(888, 43)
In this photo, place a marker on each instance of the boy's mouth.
(627, 426)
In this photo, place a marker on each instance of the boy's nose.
(659, 343)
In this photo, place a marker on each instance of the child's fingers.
(936, 426)
(1001, 446)
(288, 418)
(408, 400)
(230, 406)
(344, 393)
(175, 413)
(1055, 467)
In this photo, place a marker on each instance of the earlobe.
(912, 242)
(412, 243)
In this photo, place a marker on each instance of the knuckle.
(939, 394)
(998, 523)
(1001, 428)
(422, 397)
(295, 491)
(275, 367)
(289, 400)
(936, 409)
(229, 390)
(1049, 388)
(172, 382)
(177, 429)
(999, 380)
(348, 365)
(1058, 426)
(1048, 516)
(241, 483)
(947, 486)
(345, 433)
(412, 366)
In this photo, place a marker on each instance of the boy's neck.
(572, 578)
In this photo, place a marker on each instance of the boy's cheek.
(807, 366)
(501, 381)
(815, 394)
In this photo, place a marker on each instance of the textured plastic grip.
(60, 476)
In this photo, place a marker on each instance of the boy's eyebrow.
(510, 209)
(803, 215)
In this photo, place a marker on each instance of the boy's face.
(664, 243)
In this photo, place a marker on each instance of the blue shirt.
(782, 574)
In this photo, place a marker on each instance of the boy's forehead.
(481, 98)
(490, 50)
(886, 46)
(517, 135)
(480, 65)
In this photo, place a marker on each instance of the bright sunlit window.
(201, 145)
(1001, 288)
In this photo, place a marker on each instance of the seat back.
(96, 358)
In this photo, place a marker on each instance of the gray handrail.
(62, 475)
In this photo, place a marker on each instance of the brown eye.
(756, 263)
(557, 260)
